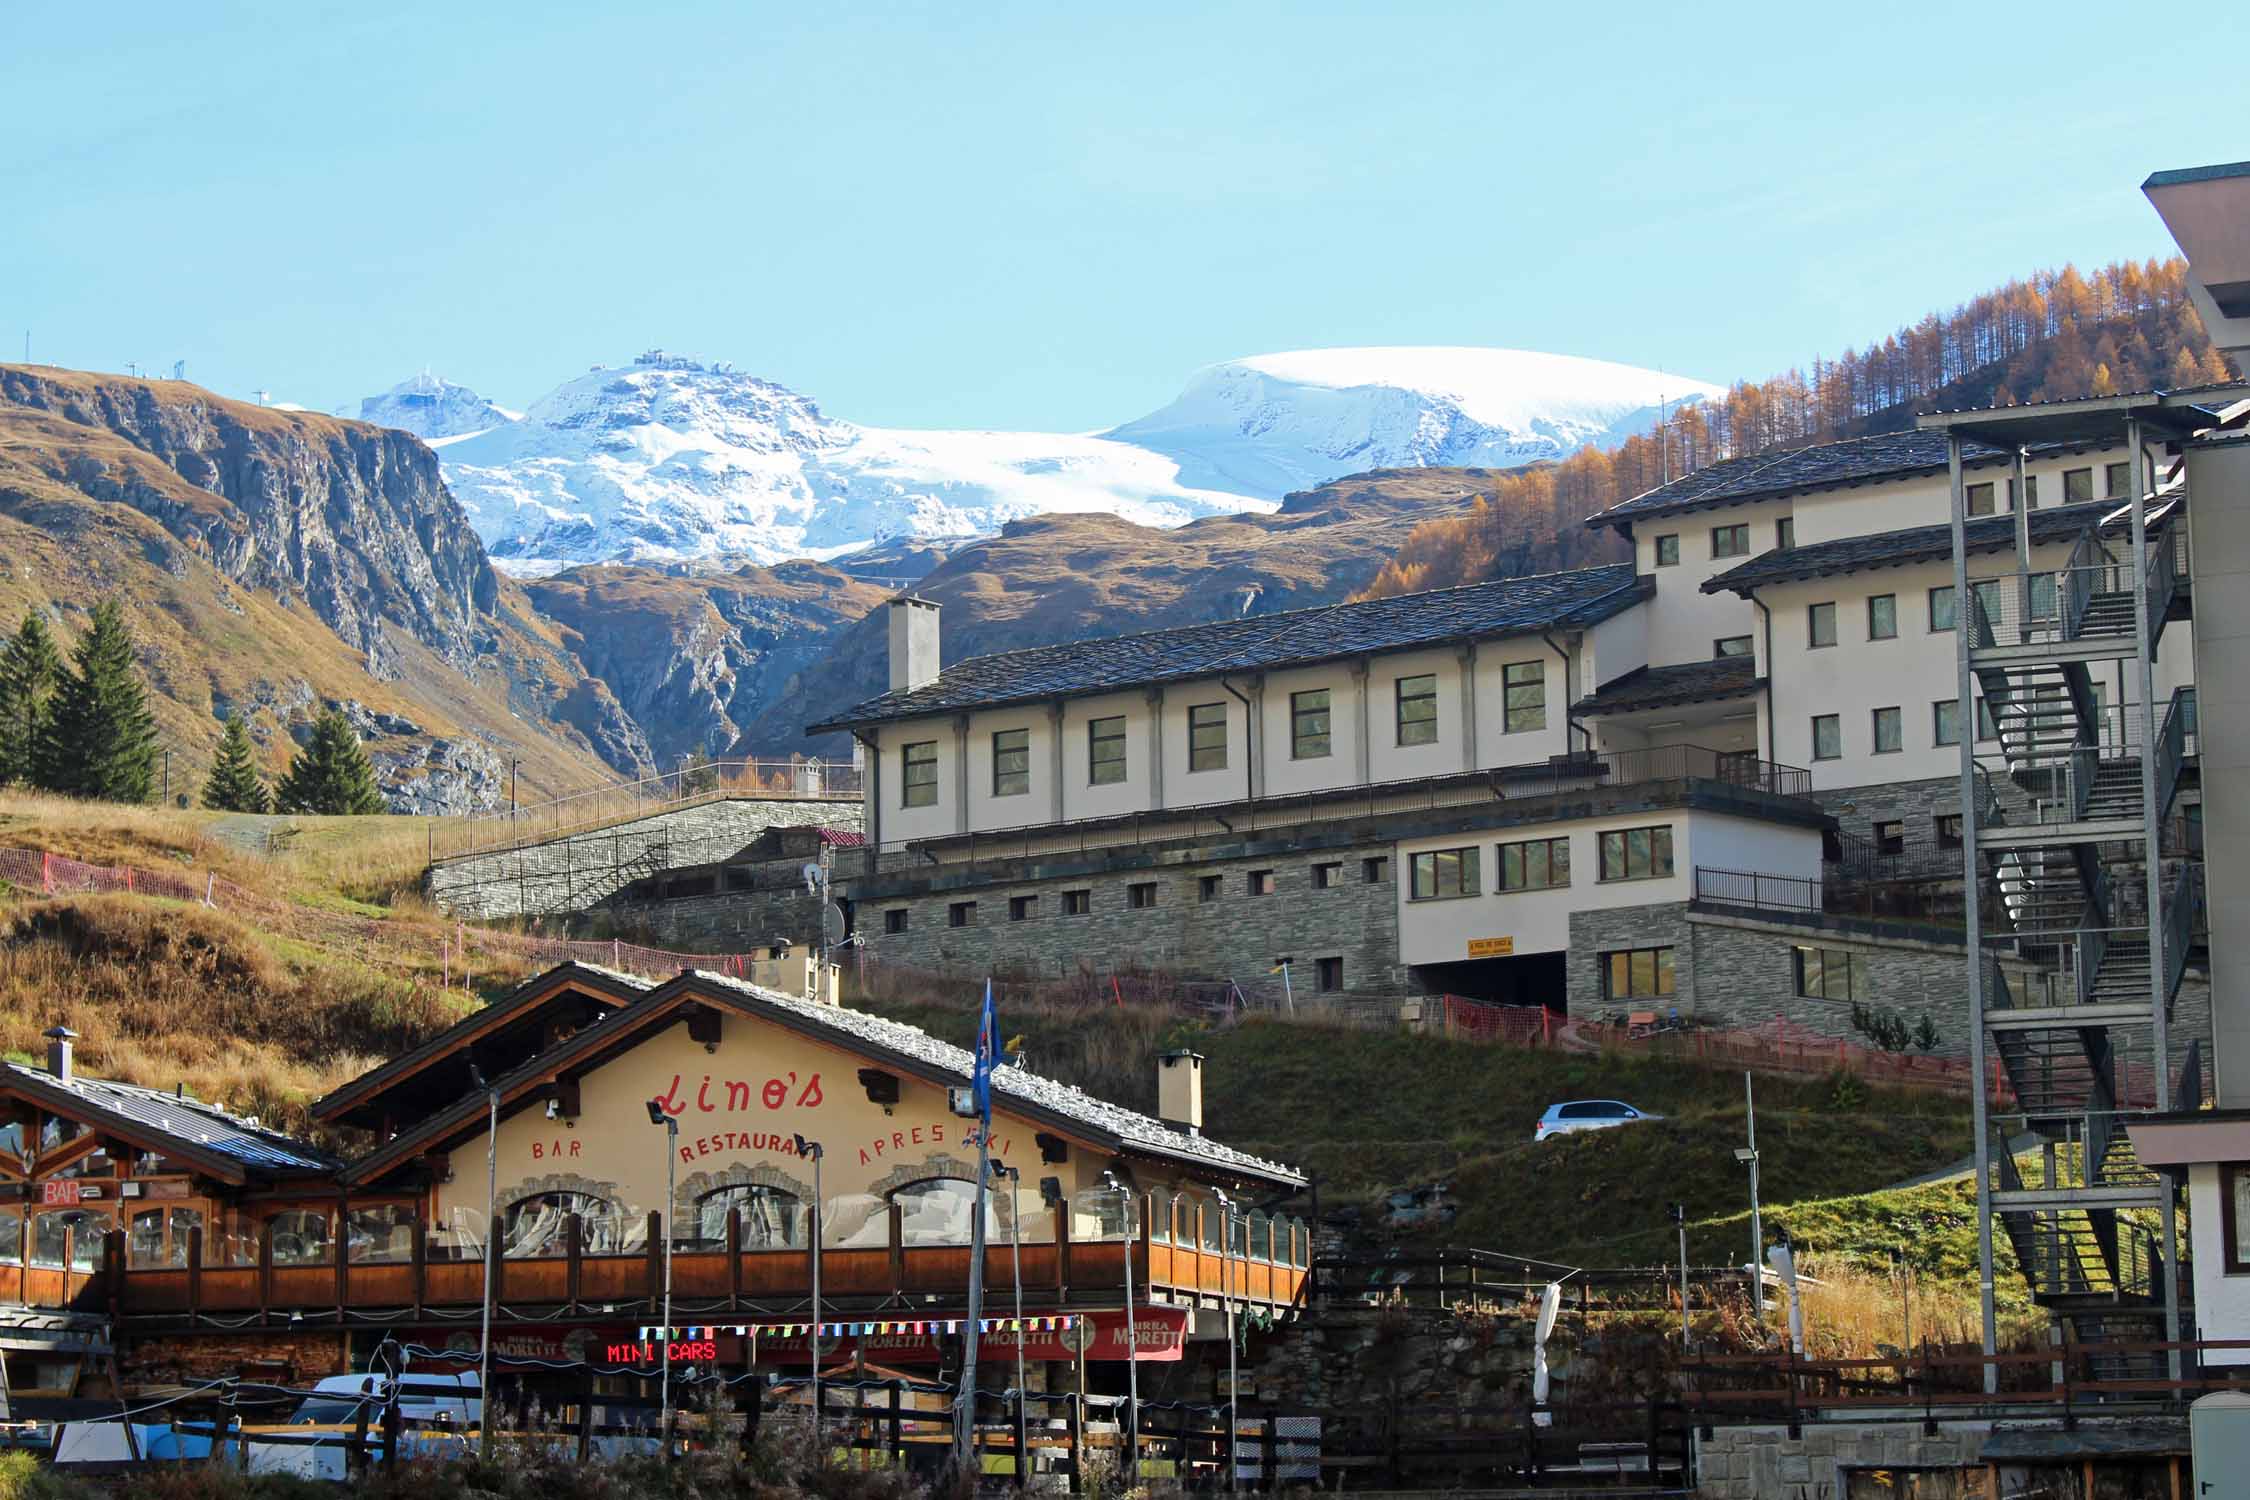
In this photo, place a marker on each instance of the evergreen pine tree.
(234, 784)
(101, 739)
(30, 670)
(331, 774)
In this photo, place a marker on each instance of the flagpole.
(965, 1405)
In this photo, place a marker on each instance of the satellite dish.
(831, 923)
(811, 874)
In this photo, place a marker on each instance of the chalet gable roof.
(229, 1147)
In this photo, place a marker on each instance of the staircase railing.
(2171, 749)
(2093, 947)
(2078, 582)
(2188, 1092)
(2163, 581)
(2180, 910)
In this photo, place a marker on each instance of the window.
(536, 1225)
(83, 1249)
(1417, 710)
(1949, 831)
(1261, 882)
(1636, 854)
(1207, 737)
(1785, 533)
(918, 786)
(1830, 974)
(159, 1238)
(1308, 724)
(961, 914)
(1141, 895)
(1022, 908)
(1827, 737)
(1207, 888)
(2234, 1214)
(2078, 485)
(1326, 877)
(1375, 869)
(1980, 499)
(1637, 974)
(1523, 696)
(1941, 608)
(1945, 722)
(1105, 751)
(943, 1211)
(1535, 866)
(2117, 480)
(1820, 625)
(1882, 617)
(2030, 490)
(1439, 874)
(300, 1238)
(1887, 730)
(1731, 645)
(1077, 903)
(895, 919)
(1730, 541)
(1011, 762)
(1668, 550)
(1890, 836)
(1330, 972)
(772, 1218)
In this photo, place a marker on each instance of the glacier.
(672, 459)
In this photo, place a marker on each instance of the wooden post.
(895, 1216)
(194, 1270)
(1272, 1474)
(1077, 1444)
(734, 1258)
(753, 1416)
(1062, 1252)
(342, 1240)
(585, 1413)
(113, 1278)
(355, 1455)
(574, 1252)
(421, 1252)
(265, 1269)
(897, 1438)
(392, 1424)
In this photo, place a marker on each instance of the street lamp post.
(657, 1115)
(1226, 1286)
(1132, 1342)
(1748, 1156)
(1014, 1177)
(1679, 1220)
(810, 1150)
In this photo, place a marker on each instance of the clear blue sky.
(1039, 216)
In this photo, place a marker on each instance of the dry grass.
(1857, 1313)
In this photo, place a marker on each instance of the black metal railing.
(1759, 892)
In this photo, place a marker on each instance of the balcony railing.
(1755, 891)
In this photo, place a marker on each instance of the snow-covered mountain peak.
(434, 409)
(619, 409)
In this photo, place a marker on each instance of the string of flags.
(689, 1333)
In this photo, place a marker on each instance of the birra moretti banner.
(1161, 1333)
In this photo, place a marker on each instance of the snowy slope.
(1279, 422)
(670, 458)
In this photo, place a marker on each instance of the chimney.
(914, 643)
(59, 1039)
(1179, 1091)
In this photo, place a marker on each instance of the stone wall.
(575, 873)
(1762, 1461)
(189, 1357)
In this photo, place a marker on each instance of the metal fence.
(598, 807)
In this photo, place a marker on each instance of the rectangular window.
(2030, 490)
(1022, 908)
(1375, 869)
(1820, 625)
(1637, 974)
(961, 914)
(2234, 1217)
(1730, 541)
(2078, 485)
(1523, 696)
(1439, 874)
(1261, 882)
(2118, 480)
(1141, 895)
(1537, 865)
(894, 920)
(1882, 617)
(1890, 837)
(1827, 737)
(1785, 533)
(1207, 888)
(1011, 763)
(1308, 725)
(1077, 903)
(1636, 854)
(918, 781)
(1326, 877)
(1941, 608)
(1980, 499)
(1105, 751)
(1207, 737)
(1331, 972)
(1945, 722)
(1731, 645)
(1830, 974)
(1668, 551)
(1888, 725)
(1949, 831)
(1417, 710)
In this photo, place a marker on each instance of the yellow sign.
(1491, 947)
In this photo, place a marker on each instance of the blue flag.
(988, 1044)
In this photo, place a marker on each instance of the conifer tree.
(234, 784)
(30, 670)
(331, 774)
(101, 739)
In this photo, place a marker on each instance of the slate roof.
(1889, 455)
(1892, 549)
(1660, 687)
(190, 1121)
(1507, 606)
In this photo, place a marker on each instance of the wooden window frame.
(1624, 837)
(1668, 556)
